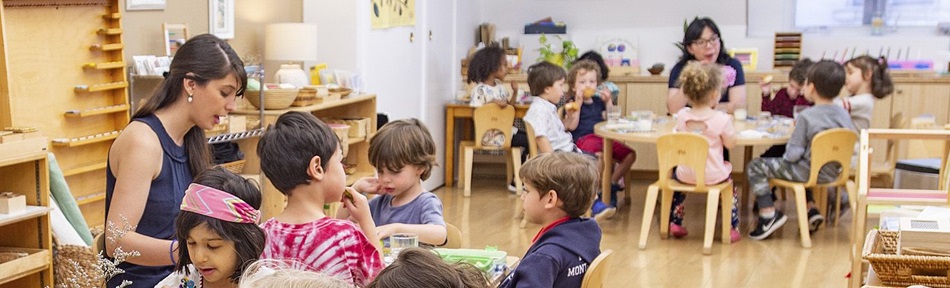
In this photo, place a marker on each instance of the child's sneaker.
(678, 231)
(512, 188)
(767, 226)
(614, 188)
(601, 211)
(814, 220)
(735, 235)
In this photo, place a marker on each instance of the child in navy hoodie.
(560, 188)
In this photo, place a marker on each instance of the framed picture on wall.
(221, 18)
(175, 36)
(144, 5)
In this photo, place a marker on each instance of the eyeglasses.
(703, 42)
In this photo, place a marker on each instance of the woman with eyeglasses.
(702, 43)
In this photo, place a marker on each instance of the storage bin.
(917, 174)
(880, 249)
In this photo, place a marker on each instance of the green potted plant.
(563, 58)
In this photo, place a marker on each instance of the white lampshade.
(290, 42)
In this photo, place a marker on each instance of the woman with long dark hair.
(155, 157)
(702, 42)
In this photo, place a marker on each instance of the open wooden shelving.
(107, 47)
(102, 87)
(98, 111)
(27, 231)
(91, 198)
(105, 65)
(84, 168)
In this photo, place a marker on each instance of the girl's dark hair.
(484, 63)
(695, 31)
(248, 238)
(799, 70)
(881, 84)
(596, 57)
(417, 267)
(202, 59)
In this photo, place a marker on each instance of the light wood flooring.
(487, 219)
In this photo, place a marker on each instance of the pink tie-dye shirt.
(330, 246)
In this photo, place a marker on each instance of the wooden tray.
(38, 259)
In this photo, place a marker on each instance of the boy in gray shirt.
(823, 82)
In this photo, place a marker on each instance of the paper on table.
(752, 134)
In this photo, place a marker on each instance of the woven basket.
(903, 270)
(342, 131)
(274, 99)
(235, 167)
(342, 91)
(76, 266)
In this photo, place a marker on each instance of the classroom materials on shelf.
(11, 203)
(545, 26)
(924, 236)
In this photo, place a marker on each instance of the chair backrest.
(597, 271)
(830, 146)
(492, 116)
(453, 237)
(532, 140)
(682, 149)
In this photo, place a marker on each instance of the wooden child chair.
(491, 117)
(829, 146)
(597, 271)
(687, 150)
(453, 237)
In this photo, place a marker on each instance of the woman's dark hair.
(248, 238)
(202, 59)
(596, 57)
(417, 267)
(799, 70)
(484, 63)
(695, 31)
(881, 84)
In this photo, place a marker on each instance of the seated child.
(417, 267)
(785, 100)
(302, 158)
(546, 81)
(822, 83)
(866, 81)
(702, 85)
(487, 69)
(218, 223)
(560, 188)
(267, 273)
(583, 81)
(403, 153)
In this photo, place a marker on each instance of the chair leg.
(820, 193)
(726, 207)
(509, 165)
(858, 235)
(666, 204)
(838, 191)
(712, 205)
(516, 166)
(802, 208)
(648, 207)
(469, 154)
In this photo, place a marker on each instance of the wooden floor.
(486, 219)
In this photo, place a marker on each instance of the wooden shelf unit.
(83, 34)
(363, 106)
(788, 49)
(27, 231)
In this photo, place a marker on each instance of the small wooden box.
(12, 203)
(237, 124)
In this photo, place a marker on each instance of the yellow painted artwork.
(392, 13)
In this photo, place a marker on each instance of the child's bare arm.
(544, 146)
(363, 185)
(428, 233)
(358, 207)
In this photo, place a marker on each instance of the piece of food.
(348, 194)
(572, 106)
(767, 79)
(589, 92)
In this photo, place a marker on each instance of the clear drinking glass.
(400, 241)
(613, 114)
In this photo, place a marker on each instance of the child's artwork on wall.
(749, 57)
(392, 13)
(620, 54)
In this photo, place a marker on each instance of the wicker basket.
(341, 91)
(903, 270)
(76, 266)
(235, 167)
(274, 99)
(342, 131)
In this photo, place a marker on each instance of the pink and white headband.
(218, 204)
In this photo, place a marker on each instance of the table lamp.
(291, 42)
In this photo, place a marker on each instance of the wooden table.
(456, 111)
(664, 126)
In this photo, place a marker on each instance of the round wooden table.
(663, 126)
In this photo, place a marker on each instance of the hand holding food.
(572, 106)
(589, 92)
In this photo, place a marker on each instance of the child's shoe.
(767, 226)
(512, 188)
(735, 235)
(814, 220)
(678, 231)
(614, 188)
(601, 211)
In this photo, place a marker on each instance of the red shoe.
(734, 235)
(678, 231)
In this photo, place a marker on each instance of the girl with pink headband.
(218, 227)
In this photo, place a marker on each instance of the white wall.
(337, 39)
(655, 25)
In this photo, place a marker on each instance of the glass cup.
(643, 120)
(613, 114)
(798, 109)
(400, 241)
(741, 114)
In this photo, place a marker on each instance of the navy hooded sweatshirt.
(560, 256)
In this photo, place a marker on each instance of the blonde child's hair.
(572, 175)
(577, 68)
(417, 267)
(267, 273)
(403, 142)
(700, 82)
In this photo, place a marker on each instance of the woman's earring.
(190, 97)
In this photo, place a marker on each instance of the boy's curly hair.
(699, 81)
(576, 69)
(484, 63)
(403, 142)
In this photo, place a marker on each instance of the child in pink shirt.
(702, 84)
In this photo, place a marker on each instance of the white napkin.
(752, 134)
